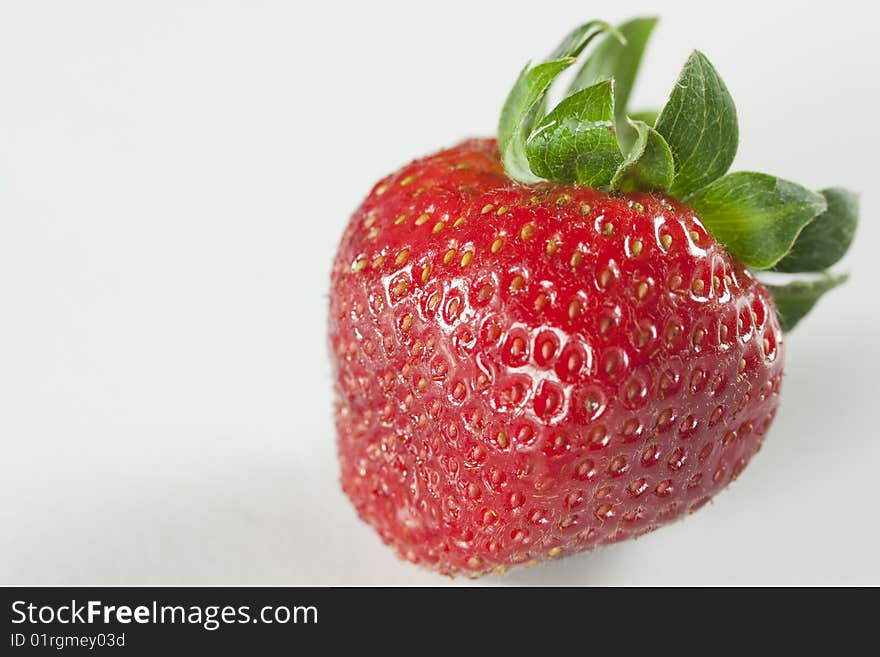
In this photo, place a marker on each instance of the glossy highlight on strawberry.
(544, 343)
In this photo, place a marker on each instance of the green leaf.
(524, 103)
(826, 239)
(699, 124)
(577, 142)
(617, 59)
(796, 299)
(579, 38)
(649, 116)
(649, 165)
(518, 116)
(756, 216)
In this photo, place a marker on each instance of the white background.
(174, 177)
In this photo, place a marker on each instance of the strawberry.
(542, 344)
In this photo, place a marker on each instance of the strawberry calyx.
(685, 150)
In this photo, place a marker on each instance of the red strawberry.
(529, 368)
